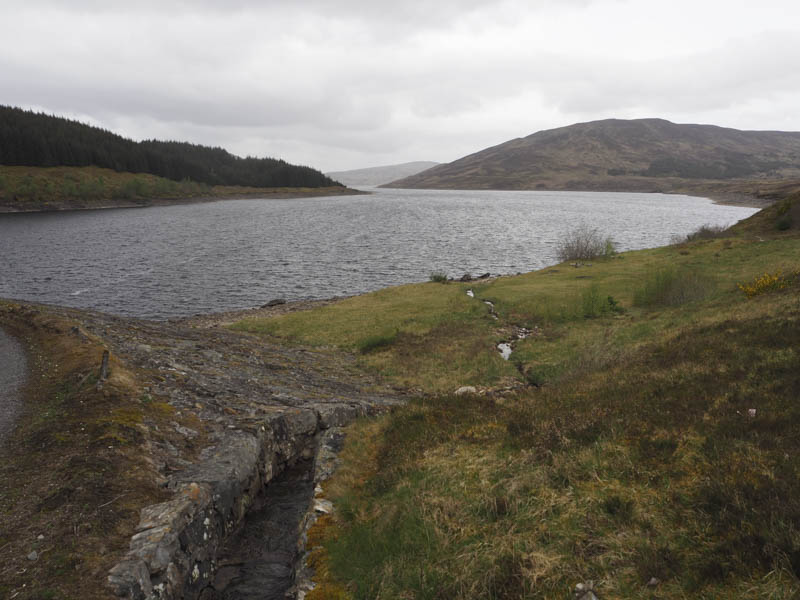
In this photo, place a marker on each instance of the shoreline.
(742, 200)
(151, 202)
(226, 317)
(733, 198)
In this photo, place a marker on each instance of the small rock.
(585, 591)
(484, 276)
(323, 506)
(466, 277)
(33, 555)
(751, 412)
(466, 389)
(146, 348)
(185, 431)
(40, 537)
(274, 302)
(654, 581)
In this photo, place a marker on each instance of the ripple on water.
(200, 254)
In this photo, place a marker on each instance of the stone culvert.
(261, 409)
(174, 552)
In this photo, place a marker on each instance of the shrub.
(90, 189)
(614, 306)
(163, 188)
(69, 188)
(594, 305)
(706, 232)
(783, 223)
(671, 287)
(768, 283)
(27, 188)
(133, 188)
(438, 277)
(584, 243)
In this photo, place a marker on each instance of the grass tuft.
(669, 286)
(374, 343)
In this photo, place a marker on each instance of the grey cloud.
(735, 73)
(342, 84)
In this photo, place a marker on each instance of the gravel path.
(12, 376)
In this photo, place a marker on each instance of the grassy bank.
(643, 438)
(73, 475)
(55, 188)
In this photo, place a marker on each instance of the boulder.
(466, 389)
(274, 302)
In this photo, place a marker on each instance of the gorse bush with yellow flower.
(769, 282)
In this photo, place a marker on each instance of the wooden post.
(104, 366)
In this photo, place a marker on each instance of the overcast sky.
(357, 83)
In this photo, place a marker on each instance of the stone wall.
(173, 552)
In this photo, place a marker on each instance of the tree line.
(34, 139)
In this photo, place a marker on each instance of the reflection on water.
(179, 260)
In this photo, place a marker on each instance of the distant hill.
(636, 155)
(39, 140)
(380, 175)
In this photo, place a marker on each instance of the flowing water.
(173, 261)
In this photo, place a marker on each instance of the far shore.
(265, 194)
(736, 197)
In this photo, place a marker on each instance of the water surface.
(172, 261)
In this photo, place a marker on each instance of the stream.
(505, 348)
